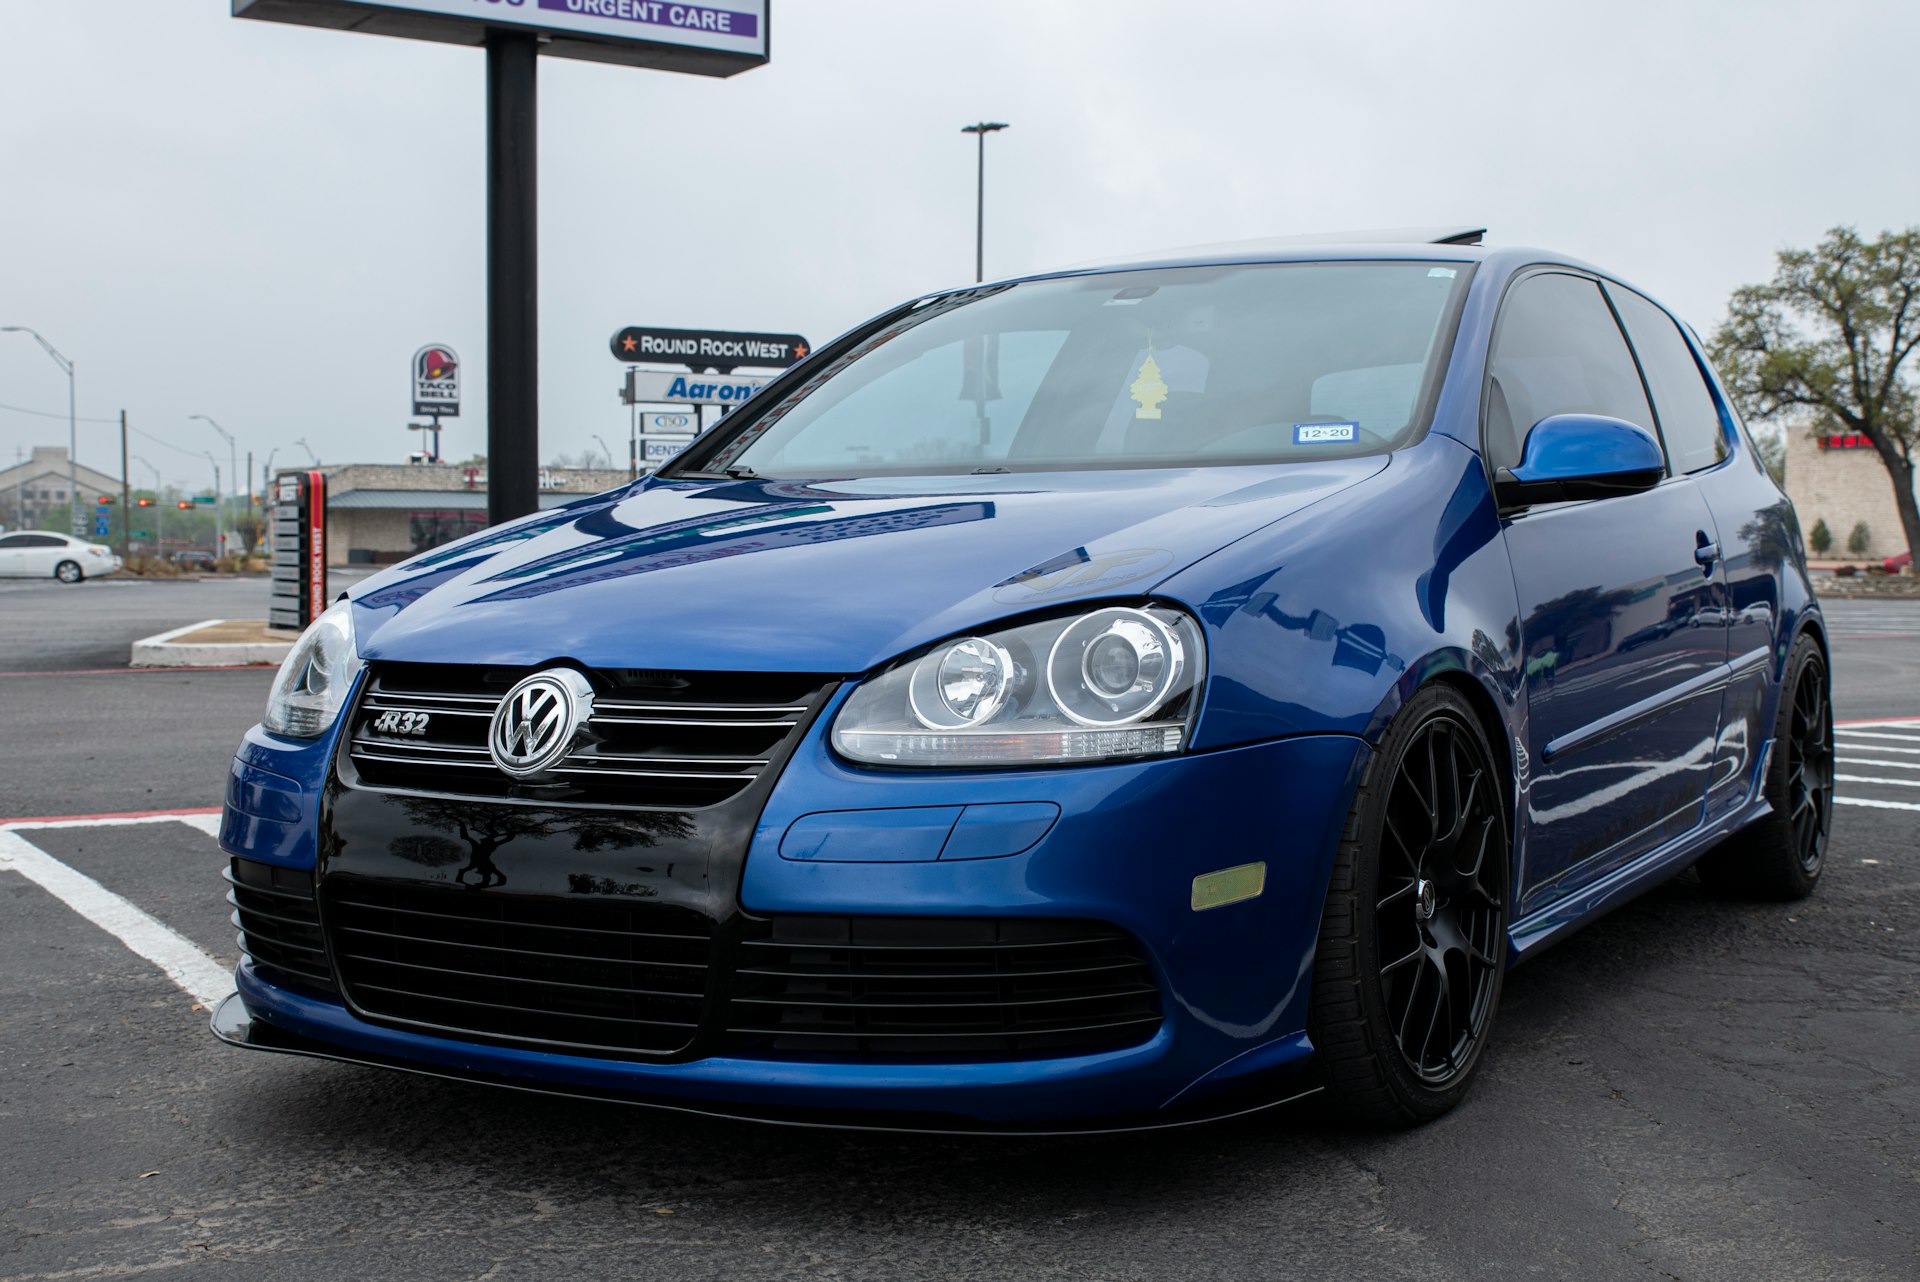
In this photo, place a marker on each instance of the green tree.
(1773, 455)
(1830, 336)
(1820, 538)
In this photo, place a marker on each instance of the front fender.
(1327, 623)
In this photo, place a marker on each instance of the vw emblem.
(534, 726)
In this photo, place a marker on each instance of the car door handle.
(1707, 553)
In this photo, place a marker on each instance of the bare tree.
(1829, 336)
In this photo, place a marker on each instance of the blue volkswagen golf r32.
(1115, 697)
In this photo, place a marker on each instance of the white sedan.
(40, 554)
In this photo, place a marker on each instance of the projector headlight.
(1106, 685)
(313, 681)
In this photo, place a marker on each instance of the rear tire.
(69, 572)
(1413, 938)
(1780, 857)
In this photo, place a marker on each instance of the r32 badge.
(392, 722)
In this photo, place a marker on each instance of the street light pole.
(74, 526)
(233, 470)
(980, 131)
(219, 517)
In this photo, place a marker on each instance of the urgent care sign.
(715, 39)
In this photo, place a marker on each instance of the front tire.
(1413, 938)
(68, 572)
(1780, 857)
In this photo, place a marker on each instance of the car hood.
(830, 577)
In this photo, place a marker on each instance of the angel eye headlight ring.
(1114, 667)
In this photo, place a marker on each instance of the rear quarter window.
(1689, 417)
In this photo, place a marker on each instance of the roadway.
(1690, 1088)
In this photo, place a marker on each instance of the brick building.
(32, 490)
(379, 513)
(1840, 480)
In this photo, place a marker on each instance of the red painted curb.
(125, 814)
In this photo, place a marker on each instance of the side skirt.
(1547, 924)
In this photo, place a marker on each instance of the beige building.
(36, 487)
(379, 513)
(1840, 480)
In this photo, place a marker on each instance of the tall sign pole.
(513, 347)
(126, 496)
(713, 38)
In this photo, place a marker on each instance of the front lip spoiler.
(233, 1024)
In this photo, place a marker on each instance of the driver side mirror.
(1580, 456)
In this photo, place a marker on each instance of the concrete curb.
(161, 651)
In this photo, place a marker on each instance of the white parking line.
(1877, 734)
(1898, 783)
(197, 974)
(192, 818)
(1876, 747)
(209, 824)
(1874, 761)
(1876, 804)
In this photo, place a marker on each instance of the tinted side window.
(1689, 419)
(14, 541)
(1557, 351)
(35, 541)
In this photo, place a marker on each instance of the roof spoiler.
(1465, 236)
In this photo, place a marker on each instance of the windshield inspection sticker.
(1325, 433)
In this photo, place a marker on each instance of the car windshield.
(1163, 368)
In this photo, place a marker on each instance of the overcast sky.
(261, 223)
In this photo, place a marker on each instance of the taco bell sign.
(436, 381)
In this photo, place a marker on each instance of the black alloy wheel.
(1780, 855)
(1413, 941)
(1437, 921)
(1808, 744)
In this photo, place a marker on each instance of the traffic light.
(144, 502)
(185, 504)
(104, 501)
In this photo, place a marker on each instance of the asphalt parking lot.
(1689, 1089)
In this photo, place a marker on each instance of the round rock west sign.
(704, 349)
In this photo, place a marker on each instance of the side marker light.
(1228, 886)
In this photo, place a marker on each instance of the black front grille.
(279, 924)
(600, 977)
(951, 988)
(663, 739)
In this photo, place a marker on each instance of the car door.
(42, 553)
(1755, 528)
(13, 550)
(1622, 632)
